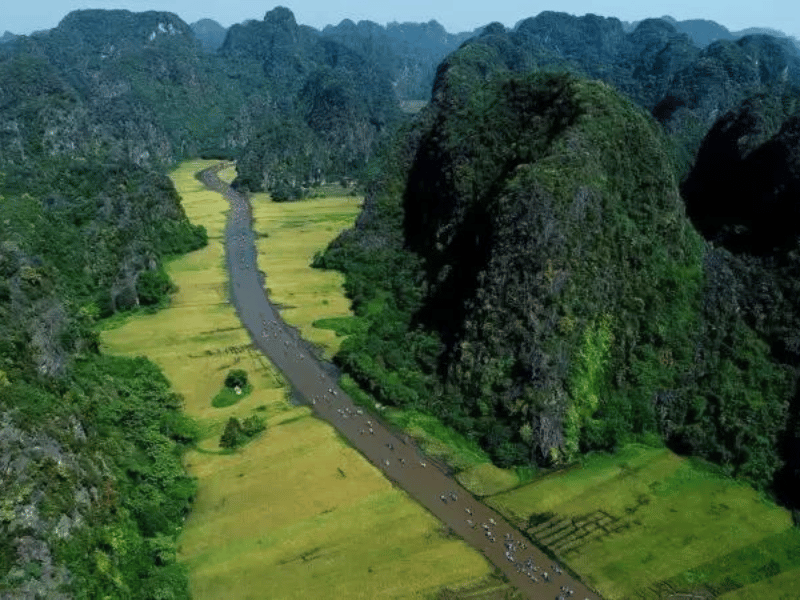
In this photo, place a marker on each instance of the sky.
(23, 17)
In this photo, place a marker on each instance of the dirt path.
(428, 482)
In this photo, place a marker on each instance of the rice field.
(289, 234)
(648, 524)
(296, 513)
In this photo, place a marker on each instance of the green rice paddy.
(649, 524)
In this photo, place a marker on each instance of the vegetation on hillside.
(533, 206)
(93, 491)
(335, 106)
(524, 269)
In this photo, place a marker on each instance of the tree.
(233, 436)
(153, 285)
(237, 377)
(237, 433)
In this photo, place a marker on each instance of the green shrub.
(238, 433)
(237, 377)
(152, 286)
(233, 436)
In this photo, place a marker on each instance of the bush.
(252, 426)
(238, 433)
(152, 286)
(233, 436)
(236, 377)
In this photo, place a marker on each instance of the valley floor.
(299, 512)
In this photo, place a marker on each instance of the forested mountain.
(92, 489)
(684, 86)
(138, 87)
(531, 264)
(330, 101)
(116, 86)
(409, 52)
(703, 31)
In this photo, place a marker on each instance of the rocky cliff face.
(326, 97)
(31, 513)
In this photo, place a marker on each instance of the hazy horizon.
(37, 15)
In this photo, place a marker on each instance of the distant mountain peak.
(97, 27)
(210, 33)
(280, 15)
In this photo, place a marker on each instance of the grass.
(228, 397)
(784, 586)
(296, 513)
(758, 570)
(438, 440)
(485, 479)
(341, 326)
(647, 522)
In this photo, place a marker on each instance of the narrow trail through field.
(401, 460)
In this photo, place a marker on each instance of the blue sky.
(25, 16)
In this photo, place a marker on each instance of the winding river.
(400, 459)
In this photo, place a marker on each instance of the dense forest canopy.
(587, 237)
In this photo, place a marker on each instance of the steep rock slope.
(117, 86)
(329, 100)
(556, 252)
(559, 273)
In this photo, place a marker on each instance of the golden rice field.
(296, 513)
(289, 234)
